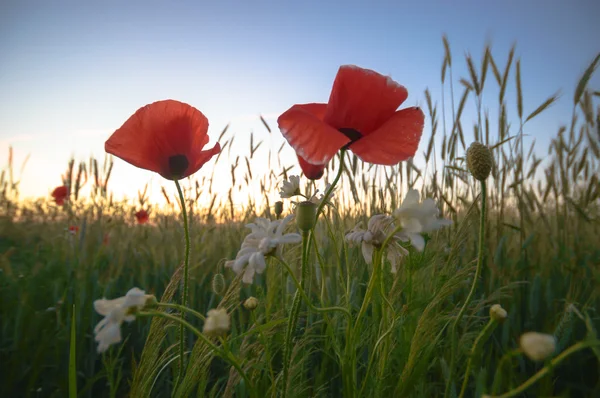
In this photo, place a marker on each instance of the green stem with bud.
(479, 341)
(473, 286)
(225, 354)
(546, 369)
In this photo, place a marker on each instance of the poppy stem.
(184, 293)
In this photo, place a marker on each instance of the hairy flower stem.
(295, 312)
(184, 293)
(225, 354)
(475, 351)
(473, 287)
(551, 365)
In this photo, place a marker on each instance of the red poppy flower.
(142, 217)
(73, 229)
(60, 194)
(166, 137)
(361, 115)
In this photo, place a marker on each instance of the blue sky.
(73, 72)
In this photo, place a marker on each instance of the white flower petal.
(367, 250)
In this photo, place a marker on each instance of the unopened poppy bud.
(537, 346)
(218, 283)
(251, 303)
(498, 313)
(479, 161)
(278, 208)
(306, 215)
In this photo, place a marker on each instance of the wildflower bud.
(306, 215)
(497, 313)
(479, 161)
(151, 302)
(537, 346)
(218, 283)
(278, 208)
(217, 322)
(251, 303)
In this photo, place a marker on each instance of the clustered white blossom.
(217, 322)
(379, 227)
(412, 216)
(108, 330)
(265, 239)
(290, 187)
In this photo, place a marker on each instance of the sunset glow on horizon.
(72, 73)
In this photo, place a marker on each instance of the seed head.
(479, 161)
(498, 313)
(306, 215)
(218, 283)
(251, 303)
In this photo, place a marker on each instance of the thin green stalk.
(182, 308)
(73, 358)
(498, 377)
(226, 355)
(473, 287)
(295, 312)
(479, 341)
(551, 365)
(184, 294)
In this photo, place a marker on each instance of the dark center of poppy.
(351, 133)
(178, 164)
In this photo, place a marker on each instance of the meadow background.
(541, 260)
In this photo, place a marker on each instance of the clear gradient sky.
(71, 72)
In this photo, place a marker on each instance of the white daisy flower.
(318, 199)
(373, 237)
(217, 322)
(265, 239)
(108, 330)
(290, 187)
(418, 217)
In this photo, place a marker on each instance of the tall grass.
(541, 261)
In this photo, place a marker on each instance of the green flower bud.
(278, 208)
(479, 161)
(218, 284)
(306, 215)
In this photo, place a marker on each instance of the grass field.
(410, 333)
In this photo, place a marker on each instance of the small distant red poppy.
(166, 137)
(73, 229)
(142, 217)
(60, 194)
(361, 115)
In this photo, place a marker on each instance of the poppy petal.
(395, 141)
(205, 156)
(159, 131)
(312, 139)
(362, 99)
(311, 171)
